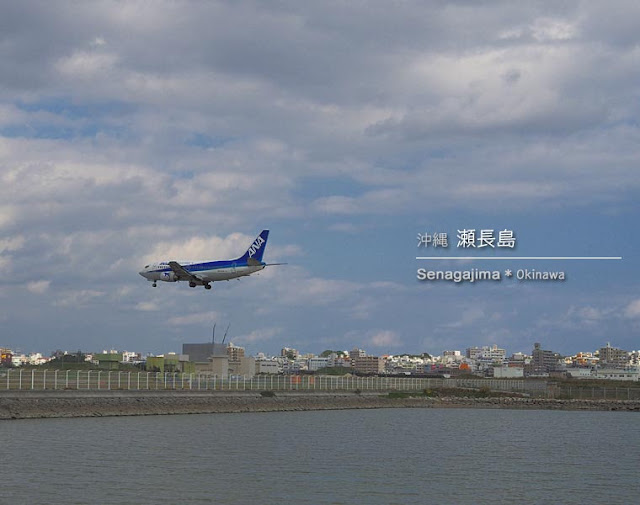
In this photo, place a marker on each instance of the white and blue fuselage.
(202, 273)
(208, 271)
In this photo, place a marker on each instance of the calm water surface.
(388, 456)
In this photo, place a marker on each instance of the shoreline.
(65, 404)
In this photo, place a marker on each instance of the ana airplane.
(205, 272)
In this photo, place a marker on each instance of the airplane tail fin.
(256, 249)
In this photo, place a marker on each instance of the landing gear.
(154, 285)
(192, 284)
(207, 286)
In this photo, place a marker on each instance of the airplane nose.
(143, 274)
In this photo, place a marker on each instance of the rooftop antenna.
(213, 336)
(225, 333)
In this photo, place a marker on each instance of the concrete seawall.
(52, 404)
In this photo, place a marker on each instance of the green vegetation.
(596, 383)
(57, 364)
(424, 355)
(404, 394)
(483, 392)
(336, 370)
(75, 361)
(452, 392)
(329, 352)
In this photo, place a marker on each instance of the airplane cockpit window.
(146, 266)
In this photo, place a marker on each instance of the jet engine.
(168, 277)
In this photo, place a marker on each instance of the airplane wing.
(183, 274)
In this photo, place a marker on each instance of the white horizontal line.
(518, 257)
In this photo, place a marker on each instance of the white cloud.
(632, 311)
(296, 288)
(385, 338)
(77, 298)
(147, 306)
(12, 244)
(468, 317)
(98, 41)
(549, 29)
(7, 215)
(337, 205)
(38, 287)
(87, 65)
(343, 227)
(200, 248)
(207, 318)
(587, 314)
(259, 335)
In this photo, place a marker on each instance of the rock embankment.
(30, 405)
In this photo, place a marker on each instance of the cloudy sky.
(138, 131)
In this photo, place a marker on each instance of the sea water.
(384, 456)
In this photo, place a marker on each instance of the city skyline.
(349, 131)
(477, 348)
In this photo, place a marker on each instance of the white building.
(508, 372)
(618, 374)
(488, 353)
(130, 357)
(579, 373)
(267, 367)
(315, 364)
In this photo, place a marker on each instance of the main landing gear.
(154, 285)
(207, 286)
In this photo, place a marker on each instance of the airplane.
(205, 272)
